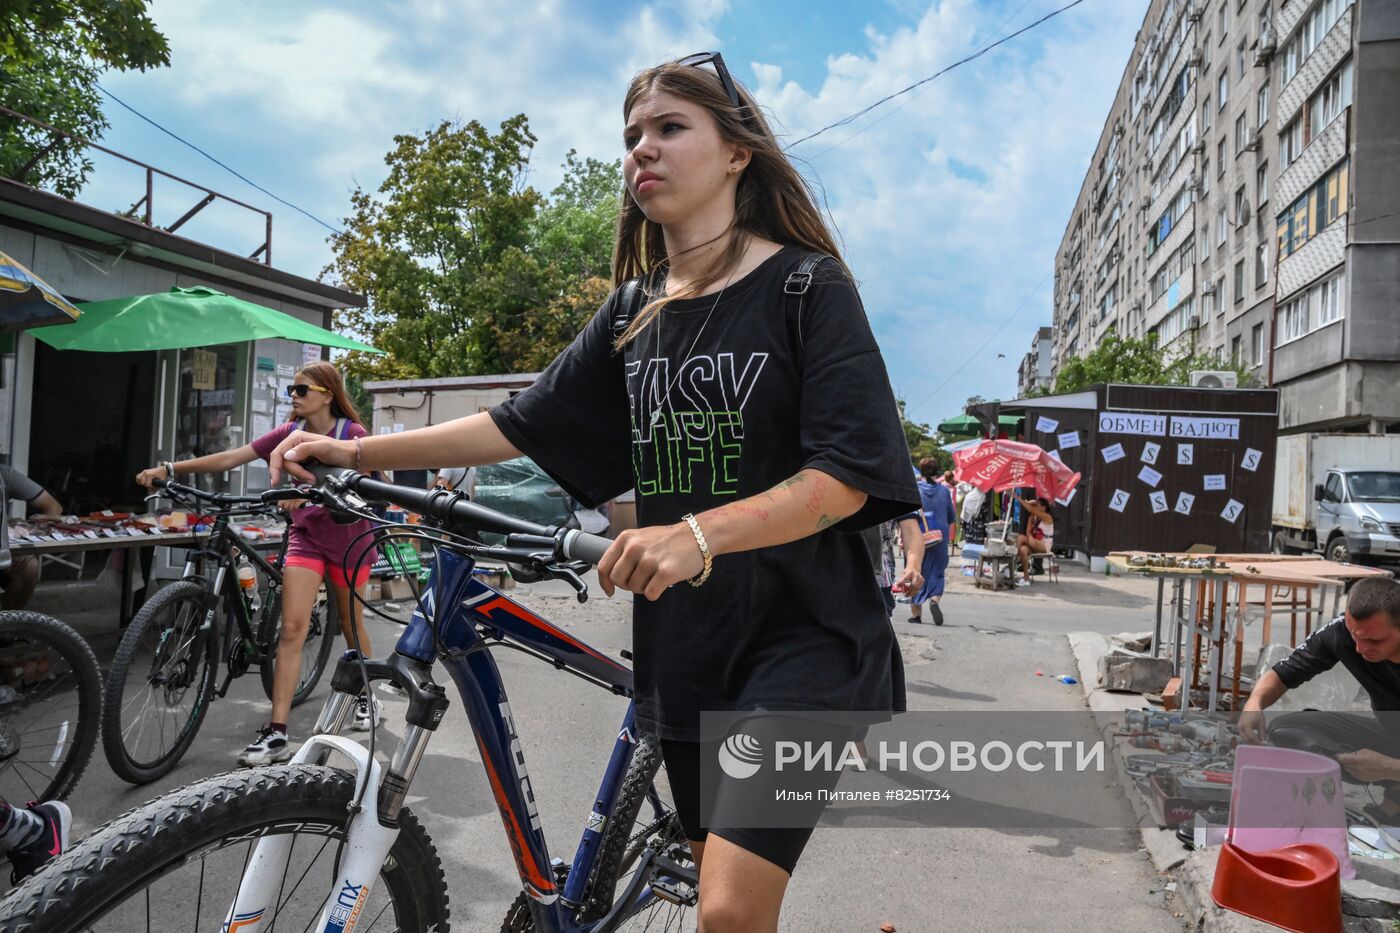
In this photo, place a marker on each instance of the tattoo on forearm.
(826, 521)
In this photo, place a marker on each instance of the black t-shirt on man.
(744, 403)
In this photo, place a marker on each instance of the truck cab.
(1358, 515)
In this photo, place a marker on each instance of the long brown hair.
(773, 200)
(328, 377)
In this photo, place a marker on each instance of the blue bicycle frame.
(479, 616)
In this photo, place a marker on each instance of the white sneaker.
(269, 747)
(363, 720)
(1022, 581)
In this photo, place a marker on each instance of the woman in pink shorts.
(316, 550)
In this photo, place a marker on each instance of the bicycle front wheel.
(50, 706)
(159, 685)
(176, 863)
(315, 650)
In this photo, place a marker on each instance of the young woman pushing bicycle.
(755, 443)
(316, 550)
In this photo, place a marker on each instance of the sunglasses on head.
(714, 58)
(300, 389)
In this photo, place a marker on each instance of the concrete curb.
(1193, 872)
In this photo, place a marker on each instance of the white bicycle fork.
(367, 846)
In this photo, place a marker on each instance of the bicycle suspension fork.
(379, 796)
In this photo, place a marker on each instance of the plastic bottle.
(248, 582)
(1066, 679)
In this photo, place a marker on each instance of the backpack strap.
(342, 428)
(795, 293)
(299, 424)
(630, 301)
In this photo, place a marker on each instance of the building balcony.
(1335, 46)
(1325, 151)
(1320, 255)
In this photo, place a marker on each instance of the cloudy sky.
(950, 200)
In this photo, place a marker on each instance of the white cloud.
(950, 200)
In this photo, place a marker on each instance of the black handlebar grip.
(580, 545)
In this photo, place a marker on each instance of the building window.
(1256, 343)
(1222, 89)
(1222, 20)
(1261, 185)
(1290, 143)
(1261, 105)
(1241, 128)
(1220, 159)
(1205, 177)
(1296, 316)
(1205, 243)
(1205, 55)
(1327, 104)
(1239, 58)
(1310, 33)
(1239, 281)
(1241, 205)
(1314, 210)
(1222, 228)
(1261, 265)
(1235, 350)
(1205, 114)
(1220, 295)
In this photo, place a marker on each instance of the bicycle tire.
(620, 844)
(130, 854)
(124, 763)
(87, 675)
(325, 616)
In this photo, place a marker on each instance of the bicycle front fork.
(379, 795)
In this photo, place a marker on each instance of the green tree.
(1136, 361)
(468, 270)
(52, 53)
(921, 443)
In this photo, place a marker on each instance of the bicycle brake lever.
(572, 577)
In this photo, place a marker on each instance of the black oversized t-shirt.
(695, 416)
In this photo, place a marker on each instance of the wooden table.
(1200, 605)
(997, 561)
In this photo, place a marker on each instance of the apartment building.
(1034, 372)
(1242, 203)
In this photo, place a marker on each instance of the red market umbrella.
(994, 465)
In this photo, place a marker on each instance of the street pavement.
(850, 879)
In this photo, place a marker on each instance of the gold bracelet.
(704, 575)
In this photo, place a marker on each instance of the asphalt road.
(850, 878)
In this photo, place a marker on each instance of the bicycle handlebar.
(453, 509)
(225, 500)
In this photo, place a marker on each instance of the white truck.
(1338, 494)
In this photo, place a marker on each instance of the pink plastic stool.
(1283, 797)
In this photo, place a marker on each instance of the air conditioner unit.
(1193, 181)
(1208, 289)
(1251, 140)
(1194, 11)
(1193, 322)
(1212, 379)
(1194, 60)
(1146, 201)
(1198, 147)
(1266, 46)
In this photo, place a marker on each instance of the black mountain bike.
(162, 679)
(50, 707)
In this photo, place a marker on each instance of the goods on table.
(1178, 561)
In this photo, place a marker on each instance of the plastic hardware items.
(248, 582)
(1297, 887)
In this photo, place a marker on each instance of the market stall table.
(1200, 603)
(115, 539)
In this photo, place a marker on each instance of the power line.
(881, 119)
(1000, 327)
(938, 74)
(221, 165)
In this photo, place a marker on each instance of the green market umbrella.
(28, 301)
(968, 426)
(183, 317)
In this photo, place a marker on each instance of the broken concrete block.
(1123, 670)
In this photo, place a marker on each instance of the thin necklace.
(666, 399)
